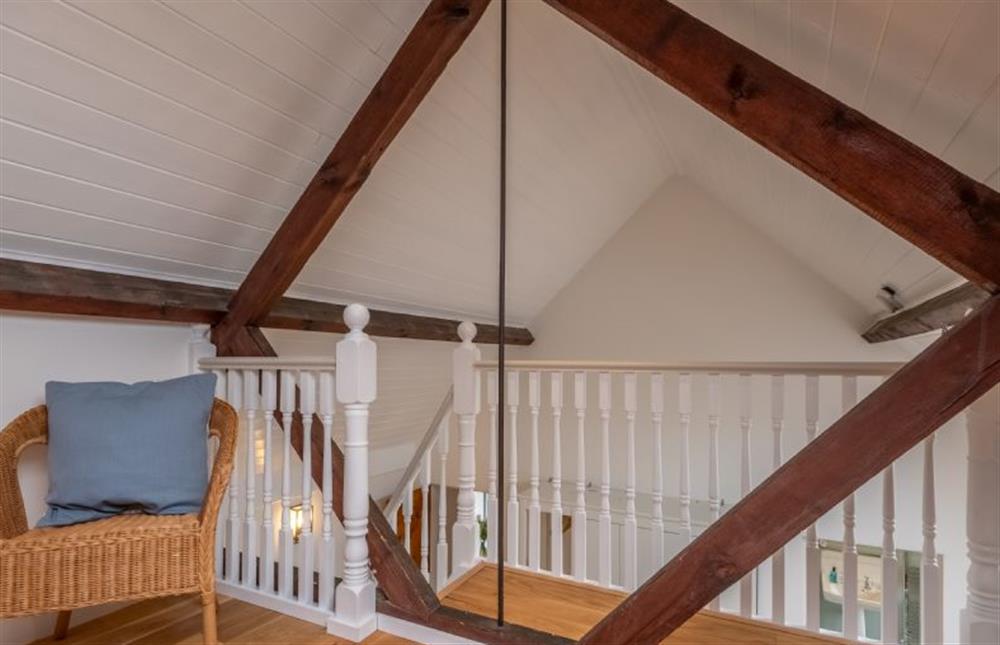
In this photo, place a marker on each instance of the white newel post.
(466, 406)
(355, 383)
(981, 616)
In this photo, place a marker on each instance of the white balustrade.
(534, 503)
(307, 399)
(931, 580)
(746, 482)
(813, 556)
(618, 517)
(604, 519)
(849, 397)
(555, 526)
(512, 514)
(714, 501)
(425, 537)
(441, 559)
(466, 406)
(656, 416)
(778, 559)
(275, 563)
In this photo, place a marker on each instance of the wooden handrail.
(803, 369)
(914, 402)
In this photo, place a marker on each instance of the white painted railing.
(286, 549)
(623, 524)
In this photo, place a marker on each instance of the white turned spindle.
(656, 524)
(714, 501)
(287, 559)
(355, 386)
(890, 566)
(778, 559)
(931, 588)
(269, 392)
(630, 576)
(604, 518)
(425, 547)
(327, 407)
(579, 530)
(813, 564)
(555, 526)
(534, 500)
(513, 507)
(408, 518)
(684, 408)
(220, 524)
(234, 381)
(980, 622)
(251, 400)
(849, 397)
(441, 559)
(746, 483)
(465, 533)
(307, 407)
(492, 517)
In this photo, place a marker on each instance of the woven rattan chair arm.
(223, 424)
(29, 428)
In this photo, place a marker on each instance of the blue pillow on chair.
(115, 448)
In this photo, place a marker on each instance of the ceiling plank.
(914, 402)
(434, 39)
(942, 211)
(940, 312)
(53, 289)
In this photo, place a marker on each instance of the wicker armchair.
(127, 557)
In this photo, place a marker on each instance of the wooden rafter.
(909, 406)
(432, 42)
(940, 312)
(49, 288)
(942, 211)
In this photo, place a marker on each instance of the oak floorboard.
(569, 608)
(177, 620)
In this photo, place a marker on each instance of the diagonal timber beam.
(924, 200)
(435, 38)
(940, 312)
(931, 389)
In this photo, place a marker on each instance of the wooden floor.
(174, 620)
(569, 609)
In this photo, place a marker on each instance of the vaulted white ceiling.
(170, 138)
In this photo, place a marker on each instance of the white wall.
(684, 279)
(35, 349)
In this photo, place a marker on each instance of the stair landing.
(570, 609)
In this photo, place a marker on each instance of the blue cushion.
(115, 448)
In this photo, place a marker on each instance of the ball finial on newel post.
(356, 317)
(466, 331)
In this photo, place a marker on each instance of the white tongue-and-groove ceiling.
(171, 138)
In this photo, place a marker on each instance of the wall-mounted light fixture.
(296, 522)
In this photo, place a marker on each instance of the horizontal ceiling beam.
(53, 289)
(949, 215)
(421, 59)
(940, 312)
